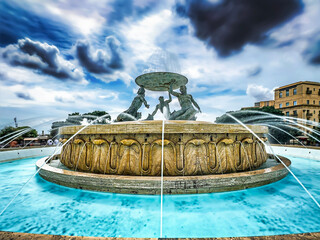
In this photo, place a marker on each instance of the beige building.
(269, 103)
(300, 99)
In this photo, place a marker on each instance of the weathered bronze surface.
(132, 114)
(161, 81)
(186, 101)
(190, 148)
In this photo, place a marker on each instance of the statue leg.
(189, 114)
(176, 114)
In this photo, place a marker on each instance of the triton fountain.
(198, 157)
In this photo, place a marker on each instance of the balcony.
(294, 115)
(309, 114)
(308, 91)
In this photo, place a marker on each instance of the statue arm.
(145, 102)
(195, 104)
(170, 98)
(155, 111)
(172, 92)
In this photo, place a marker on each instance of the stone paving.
(27, 236)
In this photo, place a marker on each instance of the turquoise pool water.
(43, 207)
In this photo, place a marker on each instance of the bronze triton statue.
(162, 81)
(132, 114)
(186, 101)
(163, 106)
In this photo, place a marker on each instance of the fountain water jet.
(278, 158)
(43, 163)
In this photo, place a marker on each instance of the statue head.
(141, 91)
(183, 89)
(161, 99)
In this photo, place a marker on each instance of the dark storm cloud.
(17, 23)
(24, 96)
(228, 25)
(41, 57)
(312, 53)
(100, 61)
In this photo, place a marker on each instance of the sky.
(64, 56)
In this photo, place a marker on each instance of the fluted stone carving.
(195, 157)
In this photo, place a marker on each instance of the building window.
(280, 94)
(294, 91)
(314, 102)
(287, 92)
(319, 102)
(280, 105)
(295, 113)
(308, 91)
(308, 102)
(287, 104)
(287, 114)
(267, 104)
(294, 103)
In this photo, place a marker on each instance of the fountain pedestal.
(190, 148)
(199, 157)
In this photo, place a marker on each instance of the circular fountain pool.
(282, 207)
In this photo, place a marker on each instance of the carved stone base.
(190, 148)
(171, 184)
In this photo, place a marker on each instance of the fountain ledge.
(172, 184)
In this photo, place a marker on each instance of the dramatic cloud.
(269, 36)
(260, 93)
(100, 61)
(24, 96)
(312, 53)
(17, 21)
(229, 25)
(44, 58)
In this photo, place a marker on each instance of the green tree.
(96, 113)
(93, 115)
(9, 129)
(6, 130)
(74, 114)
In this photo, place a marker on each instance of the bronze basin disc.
(160, 81)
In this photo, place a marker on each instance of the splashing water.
(238, 121)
